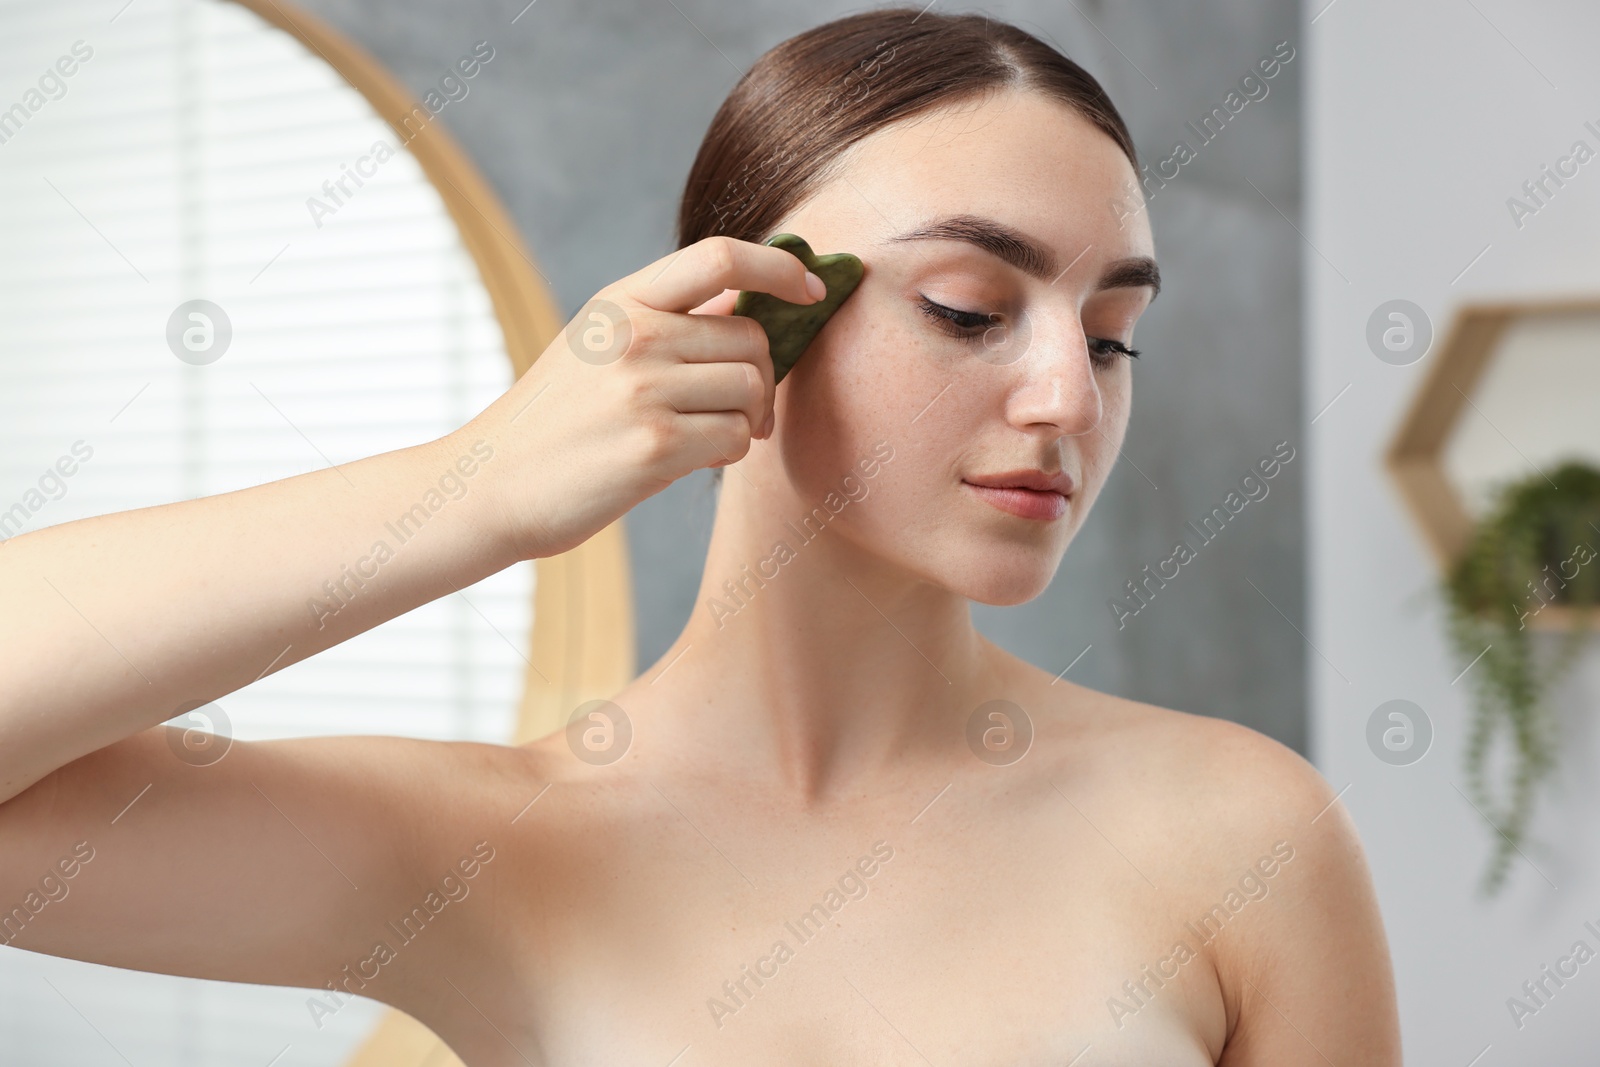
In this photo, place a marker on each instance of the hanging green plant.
(1535, 550)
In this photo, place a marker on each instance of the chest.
(1013, 944)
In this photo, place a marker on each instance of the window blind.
(175, 163)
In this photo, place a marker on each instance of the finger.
(719, 339)
(701, 271)
(721, 304)
(699, 388)
(748, 342)
(686, 338)
(725, 436)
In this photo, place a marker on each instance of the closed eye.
(964, 321)
(971, 326)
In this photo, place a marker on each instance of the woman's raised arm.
(116, 623)
(119, 622)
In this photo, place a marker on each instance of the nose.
(1059, 386)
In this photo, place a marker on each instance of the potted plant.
(1537, 551)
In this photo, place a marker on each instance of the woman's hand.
(653, 378)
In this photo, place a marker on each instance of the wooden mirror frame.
(582, 645)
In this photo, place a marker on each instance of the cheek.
(864, 381)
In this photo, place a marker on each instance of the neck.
(823, 665)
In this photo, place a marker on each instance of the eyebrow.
(1027, 255)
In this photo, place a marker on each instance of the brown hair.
(810, 98)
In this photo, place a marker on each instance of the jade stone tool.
(791, 327)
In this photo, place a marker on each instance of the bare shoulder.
(1235, 773)
(1217, 776)
(1225, 796)
(1256, 853)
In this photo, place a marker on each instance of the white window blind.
(174, 163)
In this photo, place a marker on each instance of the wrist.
(461, 473)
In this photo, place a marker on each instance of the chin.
(1005, 576)
(1007, 596)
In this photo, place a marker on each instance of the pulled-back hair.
(810, 98)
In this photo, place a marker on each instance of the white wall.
(1423, 117)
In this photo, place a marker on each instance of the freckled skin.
(819, 745)
(879, 364)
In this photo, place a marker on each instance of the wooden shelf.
(1415, 455)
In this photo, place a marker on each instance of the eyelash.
(1103, 351)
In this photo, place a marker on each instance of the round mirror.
(236, 251)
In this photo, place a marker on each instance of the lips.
(1059, 482)
(1030, 494)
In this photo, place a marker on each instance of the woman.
(833, 824)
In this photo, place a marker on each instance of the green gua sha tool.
(791, 327)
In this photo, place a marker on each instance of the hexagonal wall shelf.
(1512, 389)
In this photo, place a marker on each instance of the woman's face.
(968, 365)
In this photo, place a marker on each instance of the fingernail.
(816, 286)
(766, 427)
